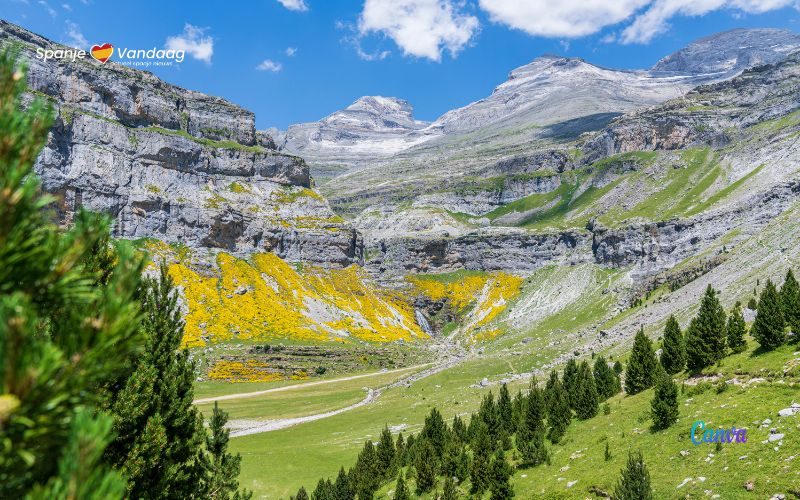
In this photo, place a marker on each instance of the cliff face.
(174, 164)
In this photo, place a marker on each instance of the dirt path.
(300, 386)
(247, 427)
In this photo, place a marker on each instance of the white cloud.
(564, 18)
(194, 41)
(291, 51)
(654, 20)
(49, 9)
(75, 37)
(421, 28)
(576, 18)
(66, 7)
(270, 65)
(298, 5)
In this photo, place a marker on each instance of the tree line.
(95, 392)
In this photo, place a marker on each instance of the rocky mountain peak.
(731, 51)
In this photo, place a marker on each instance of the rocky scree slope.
(174, 164)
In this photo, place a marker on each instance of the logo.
(102, 52)
(732, 435)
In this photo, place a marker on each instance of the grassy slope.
(301, 399)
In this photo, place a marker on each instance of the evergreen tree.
(752, 304)
(365, 476)
(673, 350)
(459, 430)
(737, 329)
(705, 338)
(323, 491)
(559, 413)
(518, 408)
(500, 478)
(618, 368)
(490, 416)
(790, 302)
(425, 466)
(505, 411)
(634, 482)
(607, 453)
(222, 467)
(586, 400)
(664, 406)
(342, 490)
(385, 452)
(400, 452)
(461, 469)
(301, 494)
(63, 337)
(159, 432)
(768, 327)
(530, 437)
(449, 492)
(401, 490)
(570, 381)
(435, 431)
(641, 365)
(606, 381)
(481, 452)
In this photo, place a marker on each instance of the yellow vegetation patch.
(265, 297)
(476, 298)
(249, 371)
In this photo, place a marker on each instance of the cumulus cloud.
(291, 51)
(75, 37)
(576, 18)
(298, 5)
(194, 41)
(270, 65)
(421, 28)
(654, 20)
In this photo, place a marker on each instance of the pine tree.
(500, 476)
(386, 455)
(705, 338)
(489, 414)
(222, 467)
(641, 365)
(790, 302)
(159, 431)
(342, 490)
(605, 379)
(586, 400)
(365, 476)
(449, 492)
(435, 431)
(301, 494)
(737, 329)
(323, 491)
(559, 414)
(425, 466)
(481, 452)
(530, 437)
(673, 350)
(400, 452)
(461, 469)
(505, 411)
(664, 406)
(63, 336)
(618, 368)
(768, 327)
(401, 490)
(634, 482)
(607, 453)
(570, 381)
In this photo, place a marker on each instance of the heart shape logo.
(102, 52)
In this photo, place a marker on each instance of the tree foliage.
(768, 327)
(705, 338)
(641, 365)
(673, 349)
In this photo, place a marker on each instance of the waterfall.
(422, 321)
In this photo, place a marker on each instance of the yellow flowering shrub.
(249, 371)
(265, 297)
(476, 298)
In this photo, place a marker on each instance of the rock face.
(174, 164)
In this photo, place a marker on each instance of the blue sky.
(292, 61)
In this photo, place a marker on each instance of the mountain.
(174, 164)
(554, 96)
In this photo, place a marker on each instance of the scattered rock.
(749, 486)
(571, 483)
(684, 453)
(485, 382)
(774, 437)
(683, 483)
